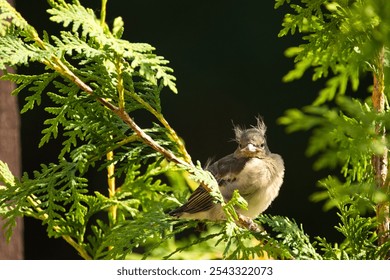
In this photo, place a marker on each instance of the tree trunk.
(10, 152)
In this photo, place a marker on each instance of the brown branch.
(57, 65)
(163, 121)
(380, 162)
(248, 223)
(62, 69)
(149, 140)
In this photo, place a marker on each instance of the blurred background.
(229, 64)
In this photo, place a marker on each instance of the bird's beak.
(248, 151)
(250, 148)
(251, 151)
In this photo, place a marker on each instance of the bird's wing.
(227, 168)
(200, 200)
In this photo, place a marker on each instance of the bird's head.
(251, 142)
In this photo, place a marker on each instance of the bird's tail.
(176, 212)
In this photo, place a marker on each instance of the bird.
(251, 169)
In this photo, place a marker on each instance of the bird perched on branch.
(252, 170)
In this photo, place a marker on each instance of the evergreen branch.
(37, 83)
(146, 138)
(123, 142)
(62, 69)
(117, 29)
(56, 64)
(197, 241)
(330, 28)
(80, 249)
(6, 176)
(78, 16)
(16, 52)
(343, 39)
(71, 42)
(293, 243)
(44, 216)
(164, 122)
(9, 15)
(27, 195)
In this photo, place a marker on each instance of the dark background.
(229, 64)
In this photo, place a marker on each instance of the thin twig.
(111, 185)
(103, 13)
(248, 223)
(164, 122)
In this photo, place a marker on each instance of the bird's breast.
(255, 172)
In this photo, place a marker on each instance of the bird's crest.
(260, 126)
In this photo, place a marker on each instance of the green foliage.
(290, 238)
(345, 135)
(85, 66)
(342, 41)
(95, 81)
(360, 241)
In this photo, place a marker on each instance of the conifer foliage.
(96, 81)
(343, 41)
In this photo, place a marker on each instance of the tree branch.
(80, 249)
(380, 161)
(62, 69)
